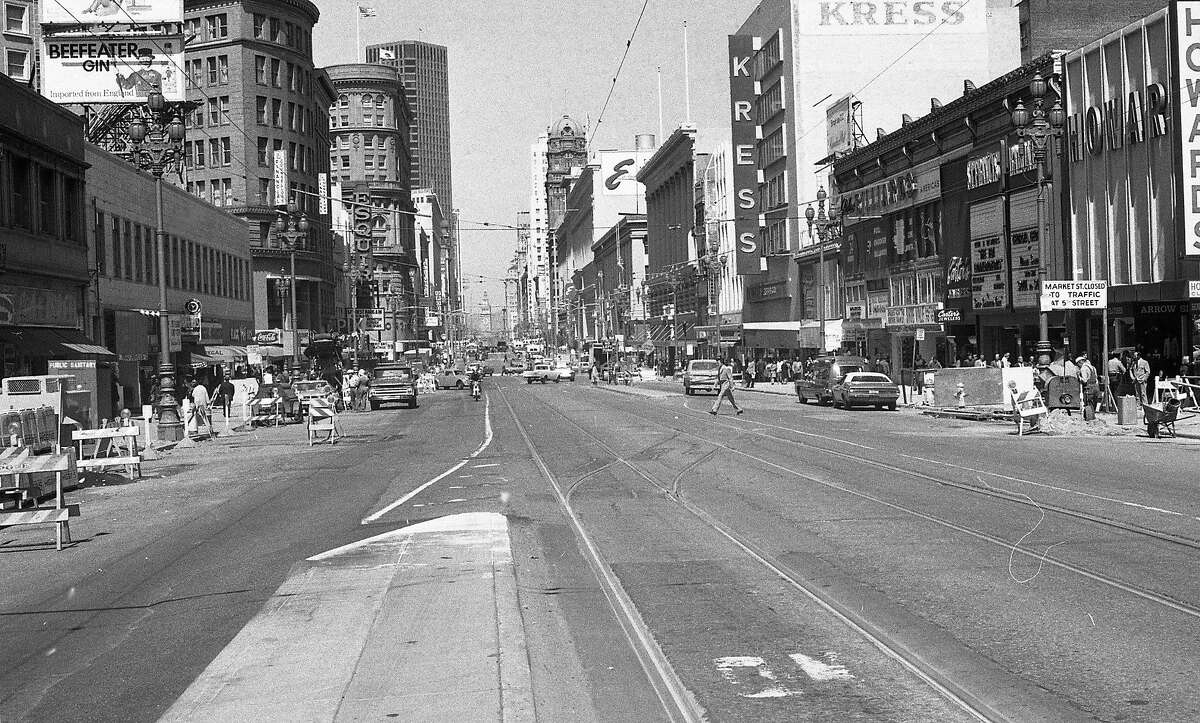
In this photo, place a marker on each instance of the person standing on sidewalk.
(200, 399)
(725, 380)
(225, 392)
(1139, 371)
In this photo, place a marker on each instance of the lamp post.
(1039, 125)
(157, 145)
(291, 228)
(828, 226)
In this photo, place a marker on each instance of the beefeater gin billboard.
(112, 69)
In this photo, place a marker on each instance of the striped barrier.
(322, 418)
(18, 463)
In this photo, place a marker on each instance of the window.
(291, 115)
(367, 100)
(260, 106)
(770, 102)
(223, 69)
(214, 112)
(292, 157)
(197, 118)
(223, 110)
(369, 141)
(264, 190)
(217, 26)
(211, 64)
(345, 161)
(201, 190)
(369, 161)
(72, 204)
(288, 32)
(47, 202)
(260, 25)
(195, 70)
(101, 246)
(379, 101)
(264, 154)
(116, 247)
(260, 69)
(129, 258)
(198, 159)
(17, 64)
(379, 120)
(343, 101)
(276, 73)
(16, 18)
(772, 148)
(293, 83)
(277, 112)
(191, 30)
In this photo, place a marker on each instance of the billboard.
(86, 12)
(111, 69)
(743, 130)
(839, 128)
(619, 169)
(891, 17)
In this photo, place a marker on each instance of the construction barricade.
(322, 418)
(110, 447)
(18, 465)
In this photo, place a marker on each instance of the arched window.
(344, 100)
(367, 99)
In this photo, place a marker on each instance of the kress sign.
(745, 173)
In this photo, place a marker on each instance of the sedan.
(865, 389)
(565, 371)
(451, 379)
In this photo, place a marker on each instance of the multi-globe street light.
(1040, 125)
(158, 145)
(292, 228)
(828, 226)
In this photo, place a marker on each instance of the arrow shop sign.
(1058, 295)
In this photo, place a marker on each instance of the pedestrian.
(980, 363)
(772, 372)
(352, 385)
(1006, 361)
(1117, 373)
(225, 394)
(1139, 374)
(268, 375)
(785, 371)
(1090, 380)
(200, 399)
(748, 375)
(760, 371)
(364, 390)
(725, 380)
(289, 399)
(919, 374)
(883, 367)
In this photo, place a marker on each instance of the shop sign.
(1021, 158)
(766, 292)
(918, 185)
(240, 332)
(1025, 252)
(982, 170)
(1058, 295)
(877, 304)
(743, 132)
(958, 278)
(989, 273)
(1186, 21)
(1119, 122)
(212, 332)
(112, 69)
(839, 119)
(890, 17)
(949, 316)
(22, 305)
(855, 312)
(268, 337)
(174, 332)
(1194, 289)
(912, 315)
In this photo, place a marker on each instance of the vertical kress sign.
(747, 254)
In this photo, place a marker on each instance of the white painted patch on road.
(737, 670)
(481, 466)
(487, 440)
(820, 671)
(456, 500)
(772, 692)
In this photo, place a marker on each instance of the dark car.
(867, 389)
(817, 381)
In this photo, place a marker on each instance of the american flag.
(366, 12)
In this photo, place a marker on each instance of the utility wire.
(624, 55)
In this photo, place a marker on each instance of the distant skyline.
(517, 66)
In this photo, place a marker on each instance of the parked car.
(309, 389)
(541, 372)
(870, 389)
(701, 376)
(452, 379)
(393, 383)
(824, 372)
(513, 367)
(565, 371)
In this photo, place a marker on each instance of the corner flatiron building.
(424, 70)
(251, 74)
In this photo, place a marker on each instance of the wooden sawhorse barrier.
(17, 463)
(112, 447)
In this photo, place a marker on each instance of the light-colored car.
(565, 371)
(452, 379)
(867, 389)
(541, 372)
(309, 389)
(701, 376)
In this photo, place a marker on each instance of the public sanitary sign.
(1059, 295)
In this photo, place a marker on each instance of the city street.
(793, 563)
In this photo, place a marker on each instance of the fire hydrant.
(960, 396)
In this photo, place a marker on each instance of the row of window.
(214, 111)
(369, 161)
(300, 157)
(219, 152)
(292, 116)
(284, 33)
(280, 74)
(206, 29)
(41, 199)
(190, 266)
(368, 119)
(369, 140)
(218, 191)
(210, 71)
(772, 148)
(367, 100)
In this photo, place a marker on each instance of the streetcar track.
(673, 695)
(906, 658)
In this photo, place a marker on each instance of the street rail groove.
(677, 701)
(1135, 590)
(969, 703)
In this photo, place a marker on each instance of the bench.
(109, 447)
(1028, 408)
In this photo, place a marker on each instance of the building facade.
(1047, 25)
(207, 259)
(20, 39)
(369, 134)
(251, 76)
(43, 237)
(425, 72)
(566, 153)
(726, 289)
(435, 253)
(536, 249)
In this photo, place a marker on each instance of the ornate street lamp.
(828, 226)
(1040, 125)
(157, 146)
(292, 228)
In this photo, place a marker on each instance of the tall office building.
(251, 75)
(423, 68)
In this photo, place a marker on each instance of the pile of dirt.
(1060, 423)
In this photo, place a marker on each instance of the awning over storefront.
(199, 361)
(52, 343)
(225, 353)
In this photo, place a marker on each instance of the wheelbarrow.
(1160, 421)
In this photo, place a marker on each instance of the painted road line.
(487, 440)
(481, 466)
(362, 631)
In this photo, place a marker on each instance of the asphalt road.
(793, 563)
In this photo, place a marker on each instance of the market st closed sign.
(1060, 295)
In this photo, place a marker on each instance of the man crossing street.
(725, 380)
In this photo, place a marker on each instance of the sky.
(515, 67)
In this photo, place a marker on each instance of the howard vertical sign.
(745, 170)
(1186, 21)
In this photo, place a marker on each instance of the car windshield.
(848, 368)
(705, 366)
(394, 374)
(871, 377)
(309, 386)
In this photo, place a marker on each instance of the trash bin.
(1127, 410)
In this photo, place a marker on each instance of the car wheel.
(529, 381)
(557, 380)
(374, 406)
(892, 406)
(687, 392)
(879, 406)
(458, 386)
(802, 399)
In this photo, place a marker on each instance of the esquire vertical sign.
(745, 171)
(1185, 19)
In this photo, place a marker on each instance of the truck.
(393, 383)
(541, 372)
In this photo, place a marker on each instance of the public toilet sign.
(1059, 295)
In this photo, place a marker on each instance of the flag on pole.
(366, 12)
(385, 54)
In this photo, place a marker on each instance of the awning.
(52, 343)
(199, 361)
(273, 351)
(225, 353)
